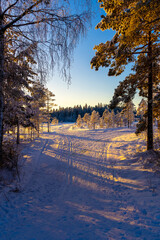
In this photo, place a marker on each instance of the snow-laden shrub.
(54, 121)
(157, 139)
(10, 155)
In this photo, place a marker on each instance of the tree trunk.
(31, 133)
(38, 127)
(1, 85)
(38, 130)
(48, 115)
(17, 132)
(150, 98)
(48, 124)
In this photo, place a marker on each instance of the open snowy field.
(79, 184)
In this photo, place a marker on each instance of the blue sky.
(88, 86)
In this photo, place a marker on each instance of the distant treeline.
(70, 114)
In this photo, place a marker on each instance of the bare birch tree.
(51, 25)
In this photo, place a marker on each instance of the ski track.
(81, 185)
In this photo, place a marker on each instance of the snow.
(79, 184)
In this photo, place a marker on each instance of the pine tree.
(101, 122)
(136, 24)
(79, 121)
(111, 119)
(17, 107)
(105, 116)
(94, 119)
(119, 119)
(128, 114)
(49, 105)
(38, 104)
(142, 108)
(86, 118)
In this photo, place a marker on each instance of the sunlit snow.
(79, 184)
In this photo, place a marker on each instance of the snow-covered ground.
(79, 184)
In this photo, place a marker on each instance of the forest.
(70, 114)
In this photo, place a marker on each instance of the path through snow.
(82, 185)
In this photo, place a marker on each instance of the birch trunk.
(1, 81)
(18, 133)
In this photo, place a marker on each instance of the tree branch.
(30, 23)
(28, 10)
(157, 19)
(10, 6)
(139, 48)
(139, 52)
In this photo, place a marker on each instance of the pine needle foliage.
(137, 40)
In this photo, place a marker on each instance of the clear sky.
(88, 86)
